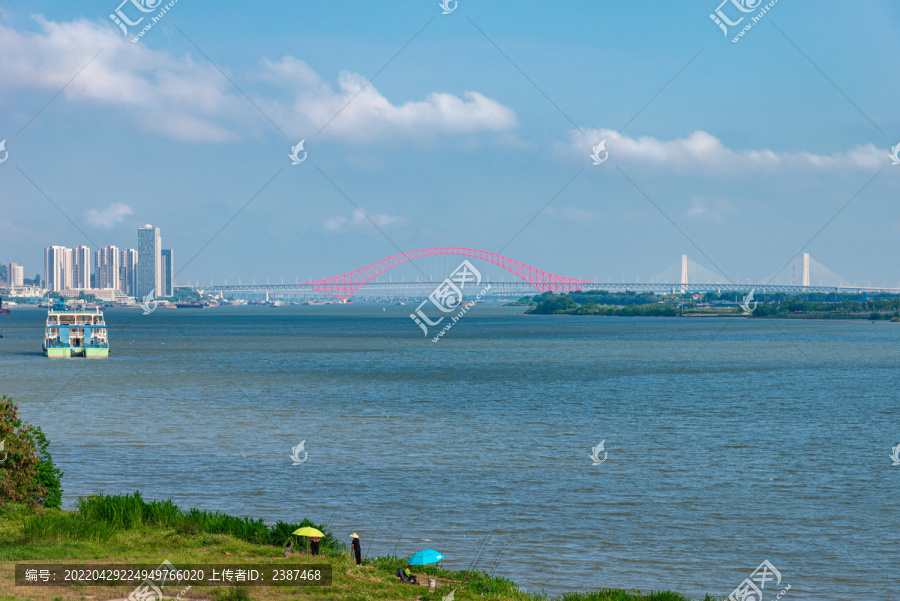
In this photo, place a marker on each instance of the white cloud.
(360, 220)
(703, 151)
(173, 97)
(364, 114)
(184, 99)
(108, 217)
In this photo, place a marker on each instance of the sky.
(473, 129)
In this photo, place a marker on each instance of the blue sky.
(745, 155)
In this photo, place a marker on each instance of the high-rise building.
(128, 261)
(106, 268)
(81, 268)
(15, 274)
(57, 268)
(168, 277)
(149, 267)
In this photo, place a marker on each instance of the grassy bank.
(125, 529)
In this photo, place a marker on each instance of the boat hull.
(58, 352)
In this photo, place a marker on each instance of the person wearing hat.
(356, 549)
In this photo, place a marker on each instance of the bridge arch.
(346, 285)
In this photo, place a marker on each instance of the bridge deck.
(525, 287)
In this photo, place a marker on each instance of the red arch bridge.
(531, 278)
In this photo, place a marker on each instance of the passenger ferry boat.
(75, 333)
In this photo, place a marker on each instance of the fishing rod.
(483, 551)
(394, 552)
(328, 523)
(369, 548)
(505, 534)
(499, 556)
(446, 540)
(479, 549)
(331, 518)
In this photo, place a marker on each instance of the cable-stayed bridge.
(686, 276)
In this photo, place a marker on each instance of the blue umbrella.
(424, 557)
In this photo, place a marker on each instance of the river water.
(727, 442)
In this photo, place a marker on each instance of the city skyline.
(115, 268)
(121, 270)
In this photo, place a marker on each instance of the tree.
(554, 304)
(27, 473)
(48, 475)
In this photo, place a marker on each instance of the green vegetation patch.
(129, 512)
(28, 474)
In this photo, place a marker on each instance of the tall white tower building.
(128, 261)
(81, 267)
(57, 268)
(106, 268)
(15, 274)
(149, 268)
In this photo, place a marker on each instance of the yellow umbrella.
(307, 532)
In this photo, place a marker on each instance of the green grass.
(125, 529)
(231, 593)
(128, 512)
(61, 527)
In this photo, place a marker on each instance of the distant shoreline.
(629, 304)
(741, 317)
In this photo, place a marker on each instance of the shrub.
(48, 475)
(27, 473)
(554, 304)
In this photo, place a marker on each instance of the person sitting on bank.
(289, 549)
(405, 575)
